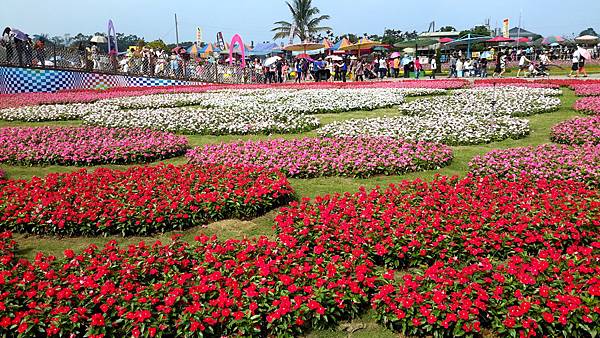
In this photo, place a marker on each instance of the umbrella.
(554, 44)
(178, 50)
(549, 40)
(19, 35)
(585, 53)
(336, 48)
(271, 60)
(303, 56)
(446, 40)
(334, 58)
(499, 39)
(395, 55)
(303, 46)
(586, 39)
(99, 39)
(363, 43)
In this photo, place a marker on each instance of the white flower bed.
(452, 129)
(308, 101)
(208, 122)
(53, 112)
(497, 101)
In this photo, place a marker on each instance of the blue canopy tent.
(264, 49)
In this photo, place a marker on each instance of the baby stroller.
(369, 74)
(536, 70)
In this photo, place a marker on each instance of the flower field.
(499, 101)
(577, 131)
(87, 146)
(321, 269)
(314, 157)
(320, 209)
(451, 129)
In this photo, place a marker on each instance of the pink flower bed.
(577, 131)
(314, 157)
(588, 105)
(586, 89)
(86, 96)
(2, 174)
(87, 145)
(547, 161)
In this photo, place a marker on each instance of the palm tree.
(305, 20)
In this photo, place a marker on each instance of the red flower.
(548, 317)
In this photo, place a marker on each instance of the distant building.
(517, 32)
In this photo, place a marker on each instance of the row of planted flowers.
(577, 131)
(547, 161)
(87, 96)
(588, 105)
(139, 200)
(314, 157)
(512, 258)
(283, 102)
(87, 145)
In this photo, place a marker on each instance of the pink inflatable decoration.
(237, 38)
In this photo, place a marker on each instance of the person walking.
(483, 64)
(40, 52)
(382, 68)
(418, 68)
(459, 68)
(523, 64)
(452, 67)
(7, 42)
(406, 65)
(581, 64)
(433, 65)
(574, 64)
(343, 70)
(360, 71)
(396, 67)
(298, 71)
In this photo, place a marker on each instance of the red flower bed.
(513, 258)
(417, 223)
(233, 288)
(526, 296)
(138, 201)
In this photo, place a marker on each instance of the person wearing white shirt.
(575, 64)
(459, 68)
(523, 64)
(433, 65)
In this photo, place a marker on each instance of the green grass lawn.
(363, 327)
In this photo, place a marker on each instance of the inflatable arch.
(237, 38)
(112, 38)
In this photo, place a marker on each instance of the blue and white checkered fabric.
(25, 80)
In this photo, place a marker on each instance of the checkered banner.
(25, 80)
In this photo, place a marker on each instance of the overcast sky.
(253, 20)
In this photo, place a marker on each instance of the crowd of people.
(342, 68)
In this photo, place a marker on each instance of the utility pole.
(519, 30)
(176, 31)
